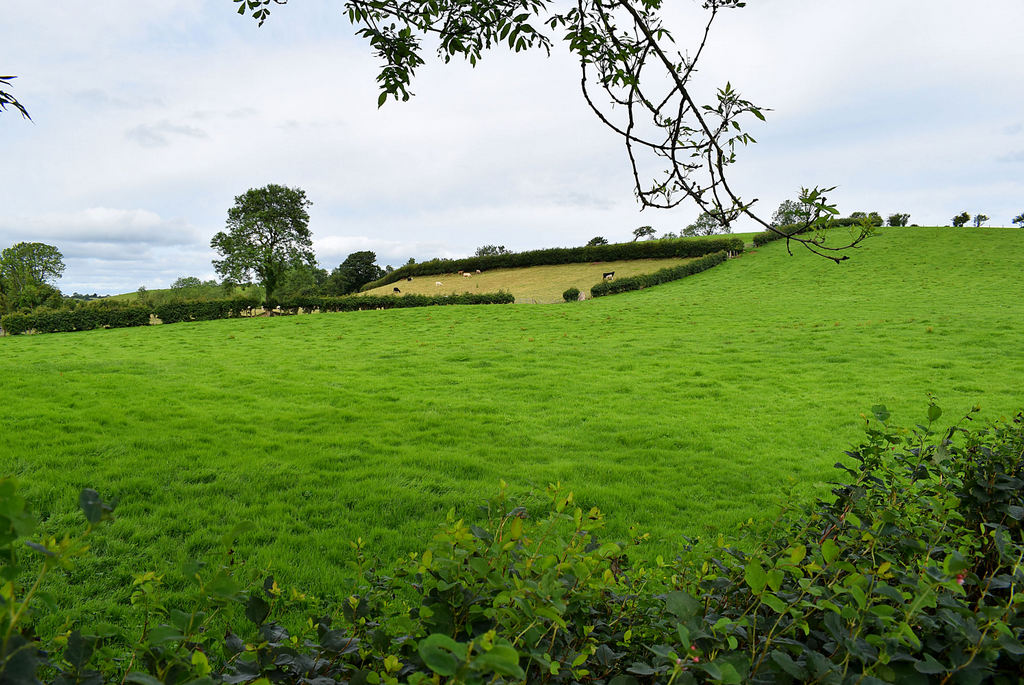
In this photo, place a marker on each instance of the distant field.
(684, 409)
(536, 284)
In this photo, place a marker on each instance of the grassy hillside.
(684, 409)
(536, 284)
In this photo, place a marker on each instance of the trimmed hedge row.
(649, 249)
(673, 273)
(353, 303)
(204, 310)
(89, 318)
(81, 319)
(793, 229)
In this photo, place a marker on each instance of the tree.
(268, 232)
(491, 250)
(979, 219)
(632, 76)
(28, 272)
(961, 219)
(186, 282)
(898, 219)
(792, 212)
(8, 100)
(597, 240)
(706, 224)
(301, 280)
(643, 232)
(1019, 220)
(357, 270)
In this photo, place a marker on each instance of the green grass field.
(683, 409)
(534, 285)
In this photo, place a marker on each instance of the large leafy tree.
(267, 233)
(28, 273)
(634, 77)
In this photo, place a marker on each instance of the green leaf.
(797, 554)
(257, 610)
(934, 412)
(880, 412)
(381, 99)
(681, 605)
(1010, 644)
(502, 659)
(141, 679)
(775, 578)
(755, 576)
(786, 663)
(436, 650)
(929, 666)
(829, 550)
(777, 605)
(91, 505)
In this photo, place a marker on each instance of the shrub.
(650, 249)
(672, 273)
(910, 572)
(571, 295)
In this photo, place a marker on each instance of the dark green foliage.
(491, 250)
(365, 302)
(979, 219)
(673, 273)
(112, 315)
(204, 310)
(1019, 220)
(650, 249)
(898, 219)
(597, 240)
(643, 232)
(961, 219)
(910, 573)
(865, 221)
(99, 314)
(358, 269)
(571, 295)
(267, 233)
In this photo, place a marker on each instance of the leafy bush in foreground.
(911, 573)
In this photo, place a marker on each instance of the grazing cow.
(608, 275)
(478, 270)
(438, 283)
(409, 278)
(396, 290)
(466, 275)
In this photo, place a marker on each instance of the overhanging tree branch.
(624, 50)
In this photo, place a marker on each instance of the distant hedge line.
(673, 273)
(122, 316)
(794, 229)
(351, 303)
(649, 249)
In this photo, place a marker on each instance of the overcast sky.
(150, 117)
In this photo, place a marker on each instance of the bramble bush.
(911, 572)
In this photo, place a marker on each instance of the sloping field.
(684, 409)
(535, 284)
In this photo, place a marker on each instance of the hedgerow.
(795, 229)
(115, 316)
(672, 273)
(648, 249)
(911, 572)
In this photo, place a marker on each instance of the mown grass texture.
(683, 409)
(533, 285)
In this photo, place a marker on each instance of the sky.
(150, 117)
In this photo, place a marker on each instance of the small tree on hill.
(792, 212)
(961, 219)
(268, 232)
(491, 250)
(706, 224)
(28, 272)
(358, 269)
(898, 219)
(979, 219)
(1019, 220)
(597, 240)
(643, 232)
